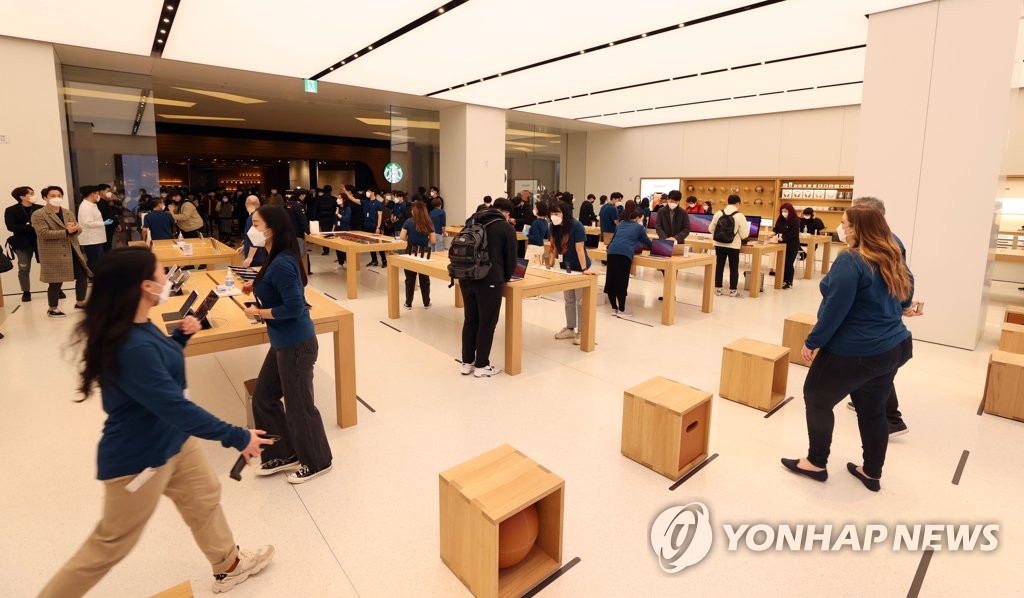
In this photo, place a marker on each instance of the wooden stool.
(1012, 338)
(794, 333)
(1004, 385)
(250, 389)
(1014, 314)
(754, 373)
(182, 590)
(476, 497)
(666, 425)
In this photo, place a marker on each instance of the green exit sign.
(311, 85)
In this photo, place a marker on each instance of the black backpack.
(725, 228)
(469, 257)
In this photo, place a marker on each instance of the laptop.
(185, 307)
(663, 248)
(520, 273)
(200, 314)
(755, 226)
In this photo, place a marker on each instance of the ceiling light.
(122, 97)
(582, 51)
(342, 63)
(681, 25)
(191, 117)
(610, 44)
(355, 56)
(643, 35)
(163, 31)
(170, 7)
(220, 95)
(166, 20)
(159, 41)
(440, 10)
(332, 68)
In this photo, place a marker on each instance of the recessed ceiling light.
(440, 10)
(342, 63)
(163, 31)
(643, 35)
(370, 48)
(681, 25)
(582, 51)
(355, 56)
(166, 20)
(159, 41)
(610, 44)
(332, 68)
(170, 7)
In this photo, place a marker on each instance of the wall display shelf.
(757, 194)
(828, 197)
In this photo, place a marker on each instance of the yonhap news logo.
(682, 536)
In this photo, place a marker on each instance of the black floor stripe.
(637, 322)
(915, 587)
(960, 467)
(692, 472)
(551, 578)
(331, 296)
(981, 406)
(16, 308)
(777, 407)
(390, 326)
(365, 404)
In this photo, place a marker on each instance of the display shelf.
(757, 194)
(828, 197)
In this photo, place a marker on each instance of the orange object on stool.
(516, 537)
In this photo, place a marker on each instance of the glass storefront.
(415, 149)
(532, 159)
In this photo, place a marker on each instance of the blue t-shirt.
(159, 225)
(413, 236)
(344, 221)
(370, 210)
(608, 215)
(539, 232)
(280, 290)
(576, 235)
(261, 253)
(439, 219)
(626, 238)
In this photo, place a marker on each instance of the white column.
(472, 158)
(934, 122)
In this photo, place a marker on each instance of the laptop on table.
(185, 308)
(521, 265)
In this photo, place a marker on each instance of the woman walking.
(287, 371)
(860, 343)
(149, 446)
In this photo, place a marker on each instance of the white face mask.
(841, 233)
(56, 201)
(257, 237)
(672, 205)
(556, 220)
(388, 197)
(433, 193)
(108, 195)
(164, 293)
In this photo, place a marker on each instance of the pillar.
(934, 120)
(472, 158)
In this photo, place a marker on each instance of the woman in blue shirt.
(567, 241)
(149, 446)
(288, 368)
(858, 345)
(628, 235)
(418, 232)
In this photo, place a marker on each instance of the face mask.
(433, 193)
(56, 202)
(257, 237)
(164, 293)
(841, 233)
(163, 195)
(785, 214)
(341, 203)
(388, 197)
(672, 205)
(108, 195)
(556, 220)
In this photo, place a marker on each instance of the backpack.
(469, 257)
(725, 228)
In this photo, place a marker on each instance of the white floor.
(370, 528)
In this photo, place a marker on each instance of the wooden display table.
(476, 497)
(666, 426)
(182, 590)
(352, 251)
(1004, 385)
(594, 231)
(232, 330)
(794, 334)
(812, 242)
(455, 229)
(1014, 314)
(756, 250)
(1014, 256)
(754, 373)
(670, 267)
(1012, 338)
(538, 281)
(205, 252)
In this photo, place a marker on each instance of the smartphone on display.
(919, 307)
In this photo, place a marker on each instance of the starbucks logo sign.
(393, 173)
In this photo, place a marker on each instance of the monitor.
(652, 220)
(701, 223)
(755, 226)
(767, 223)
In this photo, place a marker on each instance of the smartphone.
(236, 469)
(919, 307)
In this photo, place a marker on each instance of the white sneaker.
(339, 268)
(734, 294)
(344, 266)
(467, 369)
(625, 314)
(249, 563)
(577, 340)
(565, 333)
(718, 292)
(615, 312)
(487, 372)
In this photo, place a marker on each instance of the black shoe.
(898, 429)
(384, 264)
(787, 285)
(26, 297)
(771, 273)
(326, 251)
(62, 295)
(80, 305)
(56, 313)
(870, 483)
(793, 465)
(661, 298)
(372, 265)
(277, 465)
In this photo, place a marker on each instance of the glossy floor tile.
(370, 528)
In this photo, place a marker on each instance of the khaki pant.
(188, 481)
(606, 238)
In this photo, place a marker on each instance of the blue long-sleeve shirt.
(607, 216)
(539, 232)
(148, 416)
(280, 290)
(857, 316)
(626, 238)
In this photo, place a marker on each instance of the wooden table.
(812, 242)
(670, 268)
(205, 252)
(757, 250)
(1015, 256)
(455, 229)
(538, 281)
(352, 251)
(232, 330)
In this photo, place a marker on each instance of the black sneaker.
(80, 305)
(373, 265)
(278, 465)
(62, 295)
(56, 313)
(898, 429)
(787, 285)
(26, 297)
(304, 474)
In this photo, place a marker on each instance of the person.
(860, 343)
(540, 231)
(630, 234)
(810, 225)
(60, 256)
(567, 241)
(326, 211)
(372, 216)
(693, 206)
(672, 221)
(435, 193)
(149, 447)
(730, 251)
(609, 217)
(110, 211)
(707, 207)
(159, 223)
(251, 255)
(439, 219)
(18, 219)
(186, 216)
(587, 215)
(787, 230)
(296, 206)
(287, 371)
(342, 222)
(94, 232)
(645, 207)
(482, 298)
(275, 198)
(418, 232)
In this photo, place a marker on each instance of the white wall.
(472, 157)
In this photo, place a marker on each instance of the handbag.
(6, 265)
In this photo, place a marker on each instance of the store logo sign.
(393, 172)
(681, 536)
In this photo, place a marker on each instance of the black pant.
(326, 225)
(288, 374)
(616, 279)
(410, 287)
(483, 304)
(191, 234)
(81, 285)
(373, 256)
(521, 248)
(791, 251)
(341, 257)
(892, 408)
(869, 382)
(733, 255)
(93, 253)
